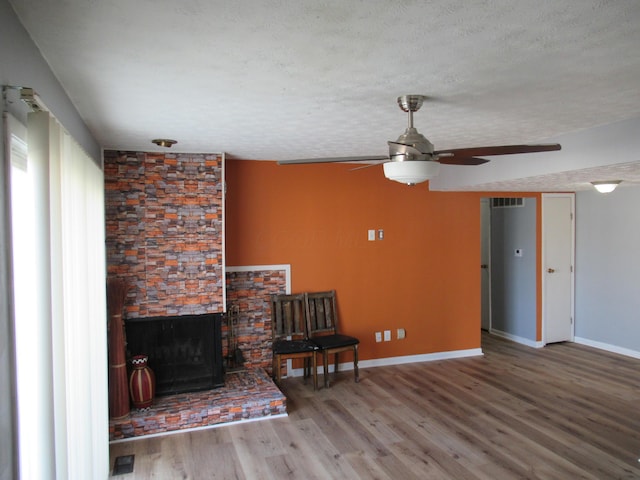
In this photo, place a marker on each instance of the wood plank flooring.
(565, 411)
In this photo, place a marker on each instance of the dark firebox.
(185, 352)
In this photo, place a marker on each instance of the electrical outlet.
(401, 333)
(378, 336)
(387, 335)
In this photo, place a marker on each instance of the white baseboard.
(382, 362)
(608, 347)
(517, 339)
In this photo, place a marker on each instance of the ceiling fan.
(412, 158)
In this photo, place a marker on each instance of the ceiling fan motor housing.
(411, 145)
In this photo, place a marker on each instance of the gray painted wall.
(608, 267)
(513, 279)
(21, 64)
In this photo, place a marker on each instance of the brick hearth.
(247, 395)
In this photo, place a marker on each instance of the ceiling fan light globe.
(411, 172)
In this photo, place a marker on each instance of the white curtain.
(60, 312)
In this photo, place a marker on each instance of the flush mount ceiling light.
(164, 142)
(606, 186)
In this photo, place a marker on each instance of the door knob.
(550, 270)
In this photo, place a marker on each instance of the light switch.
(371, 235)
(387, 335)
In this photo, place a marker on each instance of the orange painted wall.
(423, 277)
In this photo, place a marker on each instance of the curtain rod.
(28, 95)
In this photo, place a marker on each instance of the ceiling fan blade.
(497, 150)
(462, 161)
(368, 165)
(370, 158)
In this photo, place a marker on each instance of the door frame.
(485, 243)
(545, 197)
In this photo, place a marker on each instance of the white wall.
(608, 269)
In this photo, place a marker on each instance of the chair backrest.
(288, 316)
(322, 312)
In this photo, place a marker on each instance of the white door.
(557, 267)
(485, 263)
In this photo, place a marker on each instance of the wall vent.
(507, 202)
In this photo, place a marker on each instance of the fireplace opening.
(185, 352)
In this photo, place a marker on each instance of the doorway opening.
(508, 267)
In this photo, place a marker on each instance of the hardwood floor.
(566, 411)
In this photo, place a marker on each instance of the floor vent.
(123, 464)
(507, 202)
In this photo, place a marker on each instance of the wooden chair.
(323, 331)
(290, 338)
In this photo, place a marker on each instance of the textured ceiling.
(570, 181)
(315, 78)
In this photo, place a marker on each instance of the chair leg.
(315, 371)
(325, 362)
(355, 363)
(305, 370)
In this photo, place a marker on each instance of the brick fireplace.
(164, 231)
(164, 238)
(247, 394)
